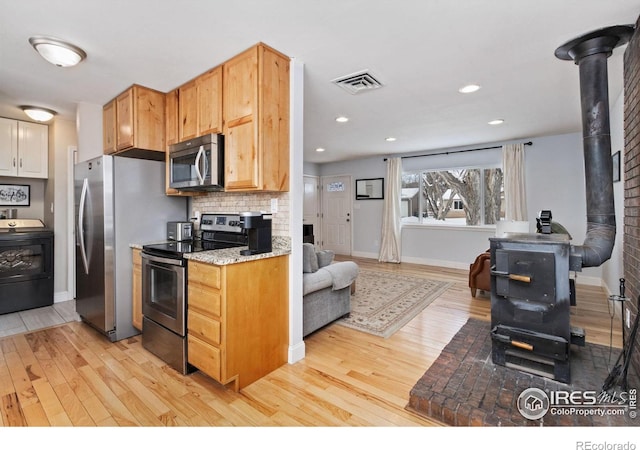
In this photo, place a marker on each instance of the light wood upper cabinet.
(171, 117)
(109, 127)
(200, 105)
(139, 122)
(24, 149)
(256, 120)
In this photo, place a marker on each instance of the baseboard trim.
(580, 279)
(63, 296)
(296, 352)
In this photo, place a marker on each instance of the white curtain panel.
(391, 234)
(515, 195)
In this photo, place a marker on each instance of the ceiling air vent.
(358, 82)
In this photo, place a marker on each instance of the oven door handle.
(83, 203)
(197, 166)
(161, 260)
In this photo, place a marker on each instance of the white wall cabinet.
(24, 149)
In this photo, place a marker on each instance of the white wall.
(554, 180)
(62, 136)
(89, 126)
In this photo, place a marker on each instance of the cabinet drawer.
(204, 327)
(204, 356)
(204, 274)
(204, 299)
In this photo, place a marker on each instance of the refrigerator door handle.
(197, 166)
(83, 202)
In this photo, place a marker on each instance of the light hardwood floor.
(70, 375)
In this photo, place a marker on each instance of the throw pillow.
(309, 258)
(325, 257)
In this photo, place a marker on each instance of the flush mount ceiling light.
(342, 119)
(38, 114)
(469, 88)
(57, 52)
(319, 149)
(390, 139)
(496, 122)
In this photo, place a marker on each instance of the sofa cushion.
(325, 257)
(315, 281)
(309, 258)
(342, 274)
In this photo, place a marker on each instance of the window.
(469, 196)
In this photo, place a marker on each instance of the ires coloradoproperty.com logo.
(534, 403)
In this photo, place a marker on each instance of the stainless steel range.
(164, 285)
(26, 265)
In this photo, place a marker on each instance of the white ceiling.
(421, 50)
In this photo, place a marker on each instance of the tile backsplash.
(243, 201)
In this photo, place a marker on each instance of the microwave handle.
(198, 157)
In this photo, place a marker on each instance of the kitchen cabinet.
(24, 149)
(256, 120)
(200, 105)
(172, 137)
(134, 124)
(136, 286)
(237, 331)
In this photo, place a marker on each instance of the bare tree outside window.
(430, 196)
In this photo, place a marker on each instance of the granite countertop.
(280, 246)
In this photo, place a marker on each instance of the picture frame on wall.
(615, 159)
(15, 195)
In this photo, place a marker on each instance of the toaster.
(179, 231)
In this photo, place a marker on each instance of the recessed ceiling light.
(496, 122)
(342, 119)
(57, 52)
(38, 114)
(390, 139)
(469, 88)
(319, 149)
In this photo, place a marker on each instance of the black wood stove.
(531, 291)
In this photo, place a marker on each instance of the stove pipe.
(590, 53)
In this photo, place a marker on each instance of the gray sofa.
(326, 288)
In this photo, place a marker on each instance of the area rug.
(384, 302)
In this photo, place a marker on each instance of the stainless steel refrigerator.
(118, 201)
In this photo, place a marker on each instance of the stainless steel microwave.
(197, 164)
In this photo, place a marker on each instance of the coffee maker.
(258, 228)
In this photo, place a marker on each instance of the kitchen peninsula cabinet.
(256, 120)
(200, 105)
(134, 124)
(237, 323)
(25, 149)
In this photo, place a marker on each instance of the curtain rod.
(459, 151)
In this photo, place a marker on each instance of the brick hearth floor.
(464, 388)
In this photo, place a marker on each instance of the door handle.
(83, 202)
(197, 165)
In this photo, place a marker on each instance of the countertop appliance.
(179, 231)
(26, 265)
(118, 201)
(164, 286)
(258, 228)
(197, 164)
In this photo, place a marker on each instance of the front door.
(336, 214)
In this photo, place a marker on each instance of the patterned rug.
(385, 302)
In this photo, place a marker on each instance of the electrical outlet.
(274, 205)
